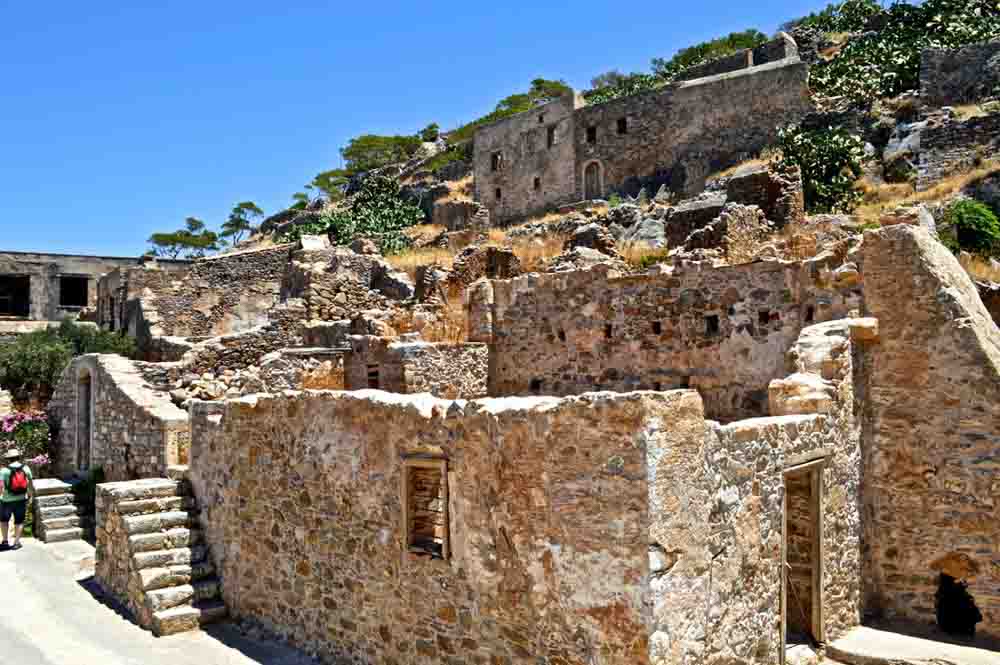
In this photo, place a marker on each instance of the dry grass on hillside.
(460, 190)
(979, 268)
(534, 253)
(969, 111)
(448, 325)
(885, 197)
(411, 260)
(641, 255)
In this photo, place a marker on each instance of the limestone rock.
(592, 236)
(6, 403)
(649, 232)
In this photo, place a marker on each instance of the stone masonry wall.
(450, 371)
(723, 331)
(932, 468)
(960, 75)
(547, 510)
(949, 146)
(134, 431)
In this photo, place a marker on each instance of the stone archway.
(592, 185)
(84, 420)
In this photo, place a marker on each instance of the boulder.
(649, 232)
(592, 236)
(364, 246)
(624, 215)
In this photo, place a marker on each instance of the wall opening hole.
(591, 134)
(657, 327)
(810, 314)
(536, 387)
(15, 295)
(802, 554)
(562, 335)
(551, 139)
(537, 183)
(496, 161)
(499, 194)
(541, 118)
(373, 378)
(623, 125)
(658, 386)
(608, 330)
(685, 382)
(764, 317)
(957, 613)
(73, 291)
(712, 324)
(426, 501)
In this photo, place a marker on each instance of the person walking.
(15, 480)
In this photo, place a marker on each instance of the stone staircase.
(57, 516)
(169, 580)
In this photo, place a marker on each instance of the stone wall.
(679, 135)
(931, 490)
(126, 427)
(960, 76)
(948, 147)
(451, 371)
(780, 48)
(547, 503)
(528, 160)
(723, 331)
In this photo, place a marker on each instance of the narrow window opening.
(608, 329)
(591, 134)
(562, 335)
(425, 501)
(623, 125)
(712, 325)
(657, 327)
(538, 183)
(499, 194)
(15, 295)
(496, 161)
(685, 382)
(957, 613)
(810, 314)
(658, 387)
(551, 139)
(373, 377)
(541, 118)
(536, 387)
(764, 318)
(73, 292)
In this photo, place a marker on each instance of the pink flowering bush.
(28, 431)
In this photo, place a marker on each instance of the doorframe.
(600, 178)
(815, 470)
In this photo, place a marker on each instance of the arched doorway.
(592, 182)
(84, 424)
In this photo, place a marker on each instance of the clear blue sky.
(120, 119)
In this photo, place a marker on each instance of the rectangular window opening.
(541, 118)
(537, 183)
(764, 318)
(499, 194)
(608, 330)
(536, 387)
(685, 382)
(657, 328)
(562, 335)
(15, 295)
(496, 161)
(810, 314)
(712, 325)
(425, 506)
(551, 139)
(73, 292)
(591, 134)
(373, 377)
(623, 125)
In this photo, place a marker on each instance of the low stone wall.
(933, 404)
(547, 523)
(105, 414)
(451, 371)
(948, 147)
(960, 76)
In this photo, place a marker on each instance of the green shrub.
(831, 164)
(33, 363)
(972, 227)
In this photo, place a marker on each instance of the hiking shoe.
(16, 546)
(4, 546)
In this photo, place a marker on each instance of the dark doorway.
(84, 399)
(73, 292)
(803, 554)
(592, 181)
(957, 613)
(15, 295)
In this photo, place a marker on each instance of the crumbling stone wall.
(779, 194)
(949, 146)
(451, 371)
(780, 48)
(934, 432)
(134, 430)
(547, 503)
(723, 331)
(956, 76)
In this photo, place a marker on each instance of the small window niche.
(551, 137)
(373, 377)
(73, 292)
(535, 387)
(591, 135)
(810, 314)
(541, 118)
(657, 328)
(499, 194)
(764, 318)
(425, 506)
(712, 325)
(496, 161)
(537, 184)
(622, 126)
(608, 331)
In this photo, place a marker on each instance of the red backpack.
(18, 482)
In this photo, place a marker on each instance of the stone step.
(55, 512)
(171, 557)
(175, 576)
(164, 540)
(187, 617)
(184, 594)
(157, 505)
(50, 486)
(59, 523)
(53, 500)
(62, 535)
(156, 522)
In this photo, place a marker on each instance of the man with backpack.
(15, 480)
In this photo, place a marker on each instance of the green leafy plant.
(614, 200)
(831, 164)
(972, 227)
(430, 133)
(193, 241)
(668, 69)
(241, 221)
(33, 363)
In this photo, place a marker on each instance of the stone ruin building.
(695, 463)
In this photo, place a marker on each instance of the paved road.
(48, 617)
